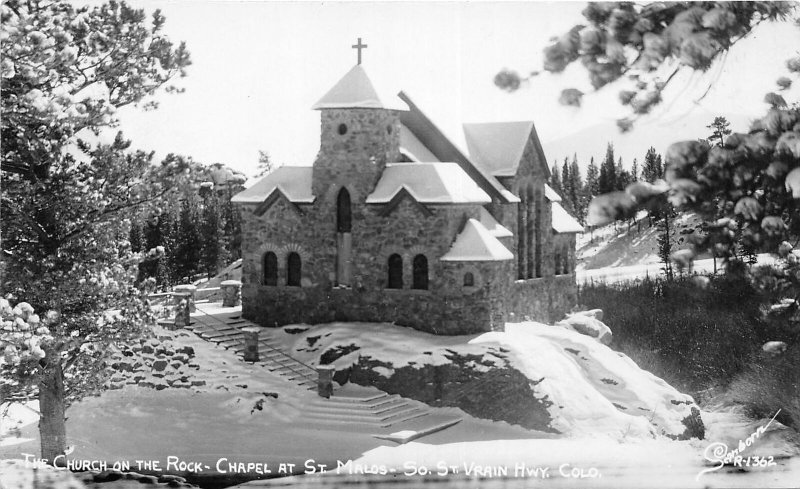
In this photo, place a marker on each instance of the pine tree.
(592, 179)
(567, 182)
(577, 194)
(188, 242)
(665, 246)
(213, 252)
(720, 128)
(608, 172)
(555, 180)
(635, 171)
(651, 168)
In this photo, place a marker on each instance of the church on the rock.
(396, 223)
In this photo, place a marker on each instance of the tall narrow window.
(538, 237)
(531, 229)
(558, 264)
(420, 272)
(293, 270)
(469, 279)
(270, 267)
(344, 220)
(344, 238)
(395, 272)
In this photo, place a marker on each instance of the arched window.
(270, 267)
(395, 272)
(469, 279)
(293, 270)
(420, 272)
(344, 220)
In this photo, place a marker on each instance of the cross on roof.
(359, 46)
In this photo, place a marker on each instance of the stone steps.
(350, 407)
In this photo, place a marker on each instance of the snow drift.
(542, 377)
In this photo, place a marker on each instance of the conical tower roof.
(356, 91)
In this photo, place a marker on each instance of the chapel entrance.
(344, 239)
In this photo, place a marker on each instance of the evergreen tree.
(567, 182)
(67, 203)
(720, 129)
(635, 171)
(555, 180)
(651, 168)
(577, 194)
(607, 181)
(188, 242)
(592, 179)
(213, 252)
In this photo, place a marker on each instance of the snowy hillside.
(563, 381)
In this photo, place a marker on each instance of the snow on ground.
(593, 389)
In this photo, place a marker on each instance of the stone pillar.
(325, 380)
(231, 293)
(182, 309)
(187, 289)
(251, 343)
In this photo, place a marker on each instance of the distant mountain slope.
(622, 244)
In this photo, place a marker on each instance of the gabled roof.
(495, 228)
(563, 222)
(551, 194)
(293, 181)
(497, 147)
(476, 243)
(413, 147)
(356, 91)
(428, 183)
(432, 138)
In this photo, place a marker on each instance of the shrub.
(769, 384)
(695, 336)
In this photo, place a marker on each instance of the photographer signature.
(718, 453)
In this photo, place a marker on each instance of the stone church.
(395, 222)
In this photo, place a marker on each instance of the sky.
(258, 67)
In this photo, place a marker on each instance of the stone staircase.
(351, 407)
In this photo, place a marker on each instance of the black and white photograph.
(387, 244)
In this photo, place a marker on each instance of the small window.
(389, 129)
(270, 268)
(395, 272)
(342, 129)
(469, 280)
(420, 272)
(558, 264)
(293, 270)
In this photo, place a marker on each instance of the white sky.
(259, 66)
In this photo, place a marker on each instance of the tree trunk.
(52, 426)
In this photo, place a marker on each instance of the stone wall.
(544, 299)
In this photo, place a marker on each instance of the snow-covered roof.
(413, 147)
(563, 222)
(551, 194)
(428, 183)
(356, 91)
(498, 146)
(293, 181)
(476, 243)
(495, 228)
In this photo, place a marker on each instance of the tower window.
(469, 279)
(389, 129)
(395, 272)
(343, 213)
(270, 268)
(342, 129)
(420, 272)
(293, 270)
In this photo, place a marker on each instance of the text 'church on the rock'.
(394, 222)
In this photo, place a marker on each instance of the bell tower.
(360, 133)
